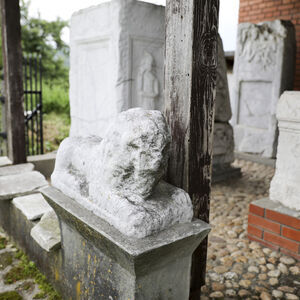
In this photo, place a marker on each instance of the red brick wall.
(274, 230)
(255, 11)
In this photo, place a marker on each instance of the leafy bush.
(56, 99)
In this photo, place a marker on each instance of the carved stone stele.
(263, 69)
(116, 62)
(285, 185)
(119, 177)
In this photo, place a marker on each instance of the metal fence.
(33, 105)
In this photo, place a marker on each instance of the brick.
(289, 253)
(255, 231)
(257, 210)
(291, 233)
(264, 223)
(282, 242)
(283, 219)
(266, 244)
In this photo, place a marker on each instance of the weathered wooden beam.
(13, 84)
(190, 87)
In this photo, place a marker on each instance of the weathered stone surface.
(129, 268)
(263, 68)
(124, 170)
(222, 106)
(33, 206)
(5, 161)
(285, 186)
(47, 232)
(12, 186)
(117, 62)
(16, 169)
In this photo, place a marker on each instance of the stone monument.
(275, 221)
(223, 145)
(117, 62)
(263, 70)
(116, 57)
(285, 187)
(128, 231)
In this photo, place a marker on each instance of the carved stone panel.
(264, 67)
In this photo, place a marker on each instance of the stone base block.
(224, 172)
(101, 263)
(275, 226)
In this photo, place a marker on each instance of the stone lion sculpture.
(119, 176)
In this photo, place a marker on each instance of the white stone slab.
(285, 185)
(119, 177)
(47, 232)
(5, 161)
(33, 206)
(263, 68)
(12, 186)
(117, 62)
(16, 169)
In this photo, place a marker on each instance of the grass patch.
(56, 128)
(27, 269)
(10, 296)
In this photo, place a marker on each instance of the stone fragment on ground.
(252, 271)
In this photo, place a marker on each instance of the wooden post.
(13, 84)
(190, 87)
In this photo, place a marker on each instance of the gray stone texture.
(5, 161)
(16, 169)
(263, 69)
(124, 169)
(33, 206)
(285, 186)
(47, 232)
(102, 263)
(12, 186)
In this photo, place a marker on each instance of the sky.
(51, 9)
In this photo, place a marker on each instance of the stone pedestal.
(101, 263)
(275, 222)
(263, 69)
(117, 62)
(285, 185)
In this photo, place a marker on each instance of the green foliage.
(56, 99)
(3, 243)
(44, 37)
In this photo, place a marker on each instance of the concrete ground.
(238, 268)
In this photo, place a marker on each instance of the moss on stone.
(27, 269)
(10, 296)
(5, 260)
(3, 243)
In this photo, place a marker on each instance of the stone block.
(117, 62)
(285, 186)
(47, 232)
(5, 161)
(33, 206)
(16, 169)
(12, 186)
(263, 69)
(102, 263)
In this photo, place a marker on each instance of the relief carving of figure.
(148, 84)
(258, 44)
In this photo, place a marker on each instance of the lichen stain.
(56, 275)
(78, 290)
